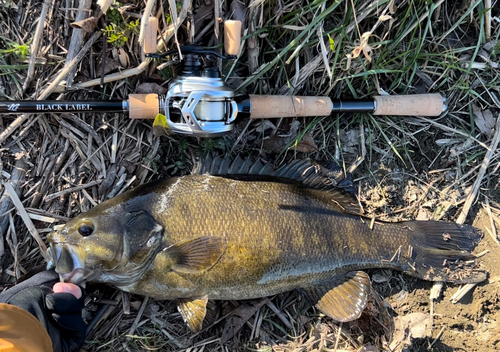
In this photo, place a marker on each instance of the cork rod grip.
(267, 106)
(143, 106)
(232, 37)
(410, 105)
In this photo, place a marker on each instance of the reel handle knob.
(232, 37)
(149, 44)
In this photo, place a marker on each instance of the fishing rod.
(198, 103)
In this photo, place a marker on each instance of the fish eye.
(86, 228)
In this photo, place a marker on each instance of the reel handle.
(269, 106)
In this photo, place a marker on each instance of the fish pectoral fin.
(196, 255)
(347, 300)
(193, 312)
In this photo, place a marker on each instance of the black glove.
(59, 313)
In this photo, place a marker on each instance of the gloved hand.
(60, 313)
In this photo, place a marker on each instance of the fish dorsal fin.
(305, 172)
(347, 299)
(196, 255)
(193, 312)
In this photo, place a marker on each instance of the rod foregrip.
(266, 106)
(409, 105)
(143, 106)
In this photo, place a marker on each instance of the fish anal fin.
(193, 312)
(347, 300)
(196, 255)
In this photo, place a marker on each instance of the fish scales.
(203, 237)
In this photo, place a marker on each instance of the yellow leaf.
(160, 121)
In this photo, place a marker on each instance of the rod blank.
(55, 106)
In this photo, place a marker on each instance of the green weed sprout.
(119, 31)
(19, 50)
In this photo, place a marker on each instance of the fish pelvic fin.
(441, 251)
(196, 255)
(346, 300)
(193, 312)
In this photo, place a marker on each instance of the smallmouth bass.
(244, 230)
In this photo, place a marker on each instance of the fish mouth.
(69, 261)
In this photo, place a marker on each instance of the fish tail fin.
(441, 251)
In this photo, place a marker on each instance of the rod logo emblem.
(13, 107)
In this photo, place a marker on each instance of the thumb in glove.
(59, 313)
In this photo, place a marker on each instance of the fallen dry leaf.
(306, 144)
(265, 125)
(363, 47)
(239, 11)
(87, 24)
(109, 66)
(423, 214)
(123, 58)
(382, 275)
(204, 11)
(146, 88)
(239, 317)
(414, 325)
(484, 120)
(276, 143)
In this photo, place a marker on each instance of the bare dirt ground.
(446, 168)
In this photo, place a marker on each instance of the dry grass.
(443, 168)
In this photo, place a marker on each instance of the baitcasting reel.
(197, 101)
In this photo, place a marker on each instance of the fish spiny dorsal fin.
(304, 172)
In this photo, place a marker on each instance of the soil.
(472, 324)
